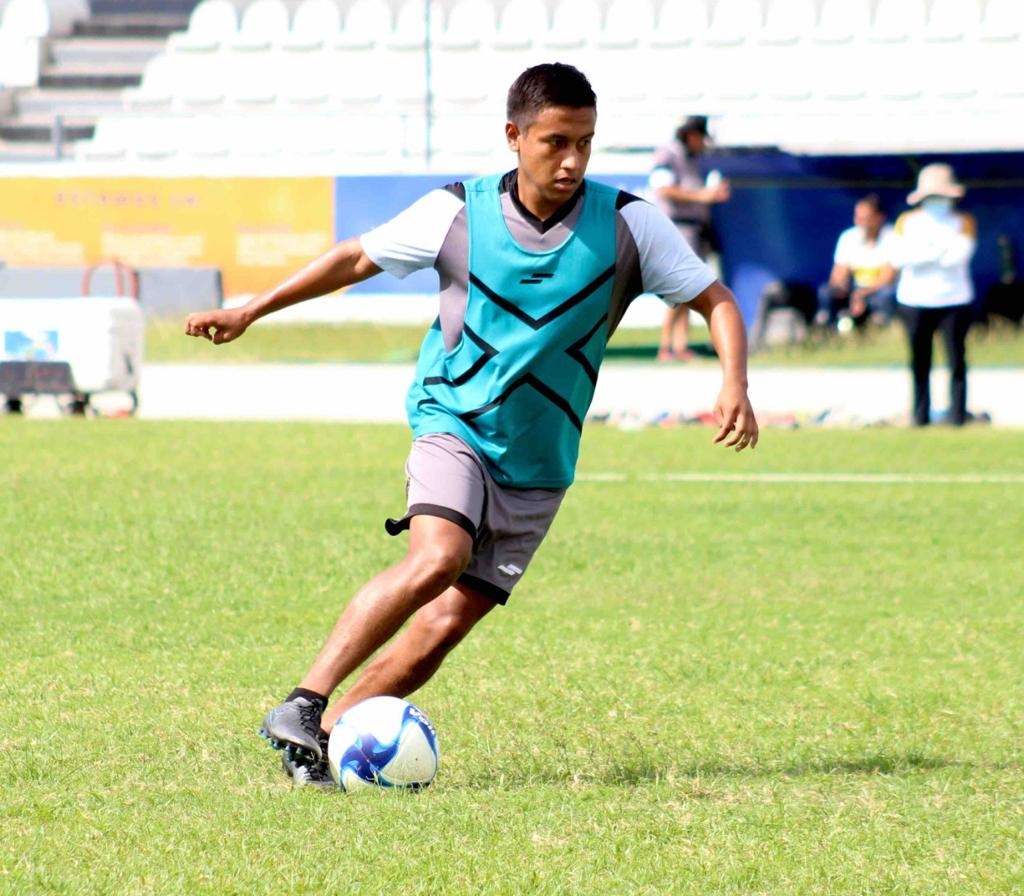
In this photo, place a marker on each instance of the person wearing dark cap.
(683, 193)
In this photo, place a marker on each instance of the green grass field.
(266, 342)
(701, 687)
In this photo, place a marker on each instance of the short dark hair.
(549, 84)
(695, 124)
(872, 201)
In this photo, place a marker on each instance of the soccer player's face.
(554, 150)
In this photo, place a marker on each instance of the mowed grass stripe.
(814, 478)
(702, 690)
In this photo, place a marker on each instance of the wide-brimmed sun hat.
(936, 180)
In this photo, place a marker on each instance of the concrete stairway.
(85, 74)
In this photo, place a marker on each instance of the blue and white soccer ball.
(383, 742)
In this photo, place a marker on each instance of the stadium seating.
(212, 24)
(25, 25)
(841, 22)
(367, 22)
(850, 74)
(314, 22)
(626, 24)
(262, 23)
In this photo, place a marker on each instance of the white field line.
(815, 478)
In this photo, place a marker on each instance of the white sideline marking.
(816, 478)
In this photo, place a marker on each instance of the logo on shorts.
(510, 569)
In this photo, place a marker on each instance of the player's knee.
(437, 566)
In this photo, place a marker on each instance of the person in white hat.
(933, 249)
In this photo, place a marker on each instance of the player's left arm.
(735, 416)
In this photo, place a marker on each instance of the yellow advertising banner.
(256, 230)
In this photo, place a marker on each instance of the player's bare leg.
(675, 334)
(439, 551)
(411, 660)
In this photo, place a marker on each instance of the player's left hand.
(735, 418)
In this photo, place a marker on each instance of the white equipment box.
(100, 338)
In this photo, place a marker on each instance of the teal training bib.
(518, 384)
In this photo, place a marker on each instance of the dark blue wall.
(786, 211)
(782, 221)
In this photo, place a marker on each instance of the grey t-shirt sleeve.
(412, 239)
(668, 266)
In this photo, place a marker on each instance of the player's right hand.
(218, 326)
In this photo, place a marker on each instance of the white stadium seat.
(42, 18)
(156, 92)
(470, 144)
(410, 26)
(403, 67)
(952, 20)
(724, 52)
(207, 137)
(255, 138)
(733, 22)
(212, 24)
(898, 21)
(788, 22)
(315, 22)
(626, 24)
(1002, 21)
(109, 141)
(678, 25)
(456, 62)
(469, 25)
(24, 26)
(997, 53)
(670, 57)
(367, 22)
(574, 24)
(842, 21)
(202, 83)
(521, 24)
(897, 68)
(356, 80)
(254, 81)
(306, 80)
(263, 23)
(26, 18)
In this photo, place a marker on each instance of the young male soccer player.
(536, 269)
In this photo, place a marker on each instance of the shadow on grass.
(891, 764)
(654, 770)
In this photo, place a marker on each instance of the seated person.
(861, 284)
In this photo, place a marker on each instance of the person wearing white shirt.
(933, 249)
(860, 284)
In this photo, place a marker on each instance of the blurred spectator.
(1005, 298)
(933, 250)
(861, 284)
(686, 196)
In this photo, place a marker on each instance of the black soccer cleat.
(305, 773)
(294, 727)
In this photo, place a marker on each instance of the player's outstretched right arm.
(344, 265)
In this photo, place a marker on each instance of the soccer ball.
(383, 742)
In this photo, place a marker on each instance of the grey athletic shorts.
(446, 478)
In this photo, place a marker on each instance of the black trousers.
(921, 323)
